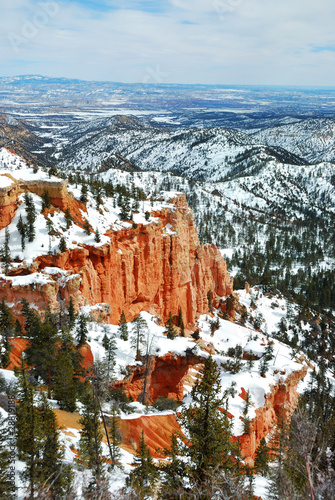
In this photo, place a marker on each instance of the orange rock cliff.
(158, 267)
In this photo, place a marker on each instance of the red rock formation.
(167, 377)
(150, 268)
(158, 429)
(282, 398)
(157, 432)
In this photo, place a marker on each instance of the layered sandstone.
(158, 267)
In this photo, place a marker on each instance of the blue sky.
(291, 42)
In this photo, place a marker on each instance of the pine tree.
(42, 350)
(208, 430)
(170, 329)
(31, 216)
(245, 418)
(71, 314)
(87, 227)
(82, 331)
(262, 457)
(91, 438)
(5, 251)
(65, 386)
(173, 471)
(62, 245)
(144, 476)
(109, 345)
(7, 488)
(21, 227)
(123, 328)
(28, 424)
(97, 237)
(139, 329)
(45, 200)
(83, 197)
(114, 434)
(55, 477)
(68, 218)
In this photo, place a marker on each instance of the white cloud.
(210, 41)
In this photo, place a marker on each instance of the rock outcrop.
(166, 376)
(158, 267)
(280, 402)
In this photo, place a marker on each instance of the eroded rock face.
(159, 268)
(166, 376)
(281, 401)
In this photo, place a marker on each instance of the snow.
(5, 181)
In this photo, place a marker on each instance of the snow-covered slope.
(312, 139)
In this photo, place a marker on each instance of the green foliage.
(38, 442)
(7, 488)
(31, 216)
(62, 245)
(87, 227)
(5, 251)
(170, 330)
(97, 237)
(115, 439)
(90, 440)
(65, 387)
(208, 430)
(84, 190)
(42, 348)
(164, 403)
(262, 457)
(138, 333)
(45, 200)
(144, 476)
(71, 313)
(68, 218)
(22, 229)
(123, 328)
(81, 330)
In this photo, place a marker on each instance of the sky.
(242, 42)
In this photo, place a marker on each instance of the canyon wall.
(157, 267)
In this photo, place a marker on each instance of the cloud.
(191, 41)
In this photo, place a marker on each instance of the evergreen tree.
(83, 197)
(38, 443)
(139, 329)
(87, 227)
(170, 329)
(7, 488)
(144, 476)
(42, 349)
(91, 438)
(109, 345)
(97, 237)
(208, 430)
(5, 251)
(123, 328)
(71, 313)
(65, 386)
(245, 418)
(21, 227)
(114, 434)
(62, 245)
(82, 331)
(31, 216)
(262, 457)
(173, 471)
(181, 323)
(68, 218)
(45, 200)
